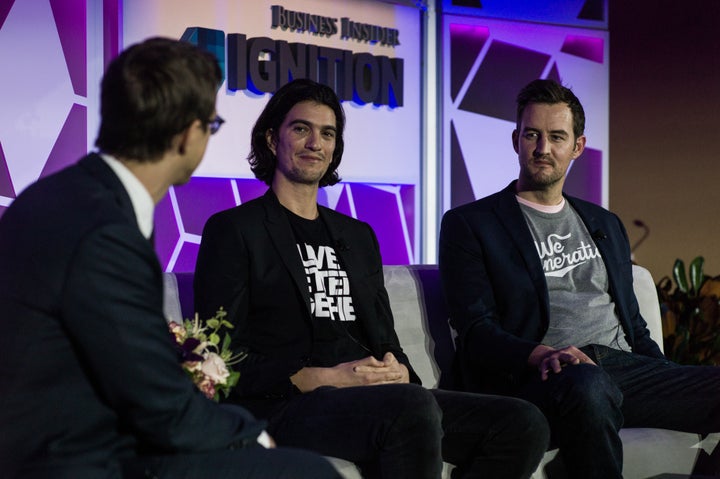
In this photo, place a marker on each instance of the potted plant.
(690, 308)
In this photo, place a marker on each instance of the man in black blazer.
(90, 383)
(304, 288)
(539, 286)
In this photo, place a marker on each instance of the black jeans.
(247, 463)
(587, 405)
(405, 431)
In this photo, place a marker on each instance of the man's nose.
(542, 146)
(313, 141)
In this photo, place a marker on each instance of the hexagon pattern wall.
(180, 217)
(43, 96)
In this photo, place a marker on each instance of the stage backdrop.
(53, 53)
(368, 51)
(490, 51)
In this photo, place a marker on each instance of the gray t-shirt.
(581, 309)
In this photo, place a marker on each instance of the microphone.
(598, 235)
(340, 245)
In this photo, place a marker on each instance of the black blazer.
(496, 291)
(89, 374)
(248, 264)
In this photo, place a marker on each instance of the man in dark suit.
(304, 287)
(90, 383)
(539, 286)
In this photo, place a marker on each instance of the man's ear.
(579, 146)
(271, 141)
(515, 141)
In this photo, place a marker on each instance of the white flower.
(214, 368)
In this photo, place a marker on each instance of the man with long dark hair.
(304, 287)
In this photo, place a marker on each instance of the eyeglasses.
(215, 124)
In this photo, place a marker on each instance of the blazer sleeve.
(637, 333)
(111, 309)
(470, 288)
(382, 330)
(222, 279)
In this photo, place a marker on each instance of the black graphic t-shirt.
(336, 335)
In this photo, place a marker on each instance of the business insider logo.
(263, 65)
(327, 26)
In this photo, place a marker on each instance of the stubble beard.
(541, 180)
(303, 177)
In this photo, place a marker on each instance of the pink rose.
(214, 367)
(207, 386)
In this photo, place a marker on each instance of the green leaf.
(679, 275)
(696, 274)
(233, 378)
(226, 343)
(214, 338)
(213, 323)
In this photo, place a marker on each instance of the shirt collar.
(543, 208)
(139, 197)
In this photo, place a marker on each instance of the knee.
(587, 388)
(531, 423)
(417, 404)
(523, 423)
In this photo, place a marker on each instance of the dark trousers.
(405, 431)
(587, 405)
(247, 463)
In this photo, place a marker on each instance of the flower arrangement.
(206, 360)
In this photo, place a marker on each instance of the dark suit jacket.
(89, 373)
(496, 291)
(249, 264)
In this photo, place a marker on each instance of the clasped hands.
(546, 359)
(362, 372)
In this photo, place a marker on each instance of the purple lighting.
(466, 41)
(6, 187)
(589, 48)
(181, 215)
(70, 19)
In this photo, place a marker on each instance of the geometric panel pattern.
(590, 48)
(4, 10)
(505, 69)
(71, 142)
(462, 191)
(486, 64)
(593, 10)
(43, 126)
(466, 41)
(181, 215)
(582, 175)
(71, 27)
(580, 13)
(6, 187)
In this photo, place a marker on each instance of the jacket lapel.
(511, 217)
(283, 240)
